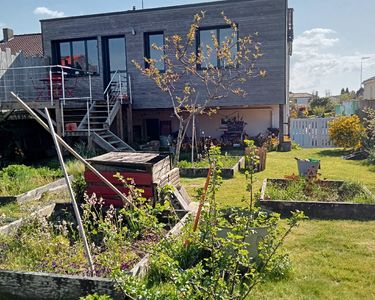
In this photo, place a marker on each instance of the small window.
(157, 39)
(78, 54)
(205, 39)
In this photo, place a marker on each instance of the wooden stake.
(202, 200)
(71, 193)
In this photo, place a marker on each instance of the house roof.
(28, 44)
(370, 79)
(132, 11)
(300, 95)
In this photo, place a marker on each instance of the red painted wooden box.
(146, 169)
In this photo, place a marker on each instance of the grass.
(17, 179)
(14, 210)
(280, 164)
(331, 259)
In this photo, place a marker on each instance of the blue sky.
(331, 36)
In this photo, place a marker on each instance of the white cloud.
(47, 12)
(316, 66)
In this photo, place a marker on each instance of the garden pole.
(71, 193)
(74, 153)
(203, 198)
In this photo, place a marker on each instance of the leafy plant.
(207, 264)
(346, 132)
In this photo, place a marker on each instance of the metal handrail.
(49, 66)
(110, 82)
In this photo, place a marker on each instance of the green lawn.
(331, 259)
(280, 164)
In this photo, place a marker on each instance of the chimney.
(8, 34)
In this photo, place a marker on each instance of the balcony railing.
(45, 84)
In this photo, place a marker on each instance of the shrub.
(346, 132)
(369, 124)
(371, 157)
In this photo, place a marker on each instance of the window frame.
(56, 55)
(198, 43)
(147, 46)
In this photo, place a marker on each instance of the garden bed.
(321, 199)
(50, 261)
(19, 179)
(231, 165)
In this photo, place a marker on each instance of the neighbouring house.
(94, 89)
(300, 100)
(368, 94)
(369, 89)
(30, 45)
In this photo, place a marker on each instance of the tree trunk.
(180, 138)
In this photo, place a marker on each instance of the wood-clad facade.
(268, 17)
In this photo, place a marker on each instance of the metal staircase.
(101, 114)
(107, 140)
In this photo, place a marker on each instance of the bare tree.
(197, 78)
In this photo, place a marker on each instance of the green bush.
(346, 132)
(371, 157)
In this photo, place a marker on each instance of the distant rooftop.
(300, 95)
(370, 79)
(28, 44)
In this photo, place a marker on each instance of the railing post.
(90, 88)
(88, 119)
(51, 85)
(120, 86)
(5, 87)
(63, 84)
(108, 106)
(62, 118)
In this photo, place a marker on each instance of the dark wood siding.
(268, 17)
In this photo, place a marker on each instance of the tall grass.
(17, 179)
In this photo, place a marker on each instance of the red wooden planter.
(145, 169)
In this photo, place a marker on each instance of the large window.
(205, 40)
(157, 39)
(79, 54)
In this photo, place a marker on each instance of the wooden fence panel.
(311, 133)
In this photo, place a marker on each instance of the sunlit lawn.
(331, 259)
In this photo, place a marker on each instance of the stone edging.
(36, 193)
(226, 173)
(320, 210)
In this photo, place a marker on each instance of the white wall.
(257, 119)
(369, 90)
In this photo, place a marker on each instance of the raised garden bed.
(321, 199)
(50, 263)
(18, 179)
(231, 165)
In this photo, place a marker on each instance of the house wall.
(369, 90)
(268, 17)
(258, 119)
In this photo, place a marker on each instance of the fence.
(311, 133)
